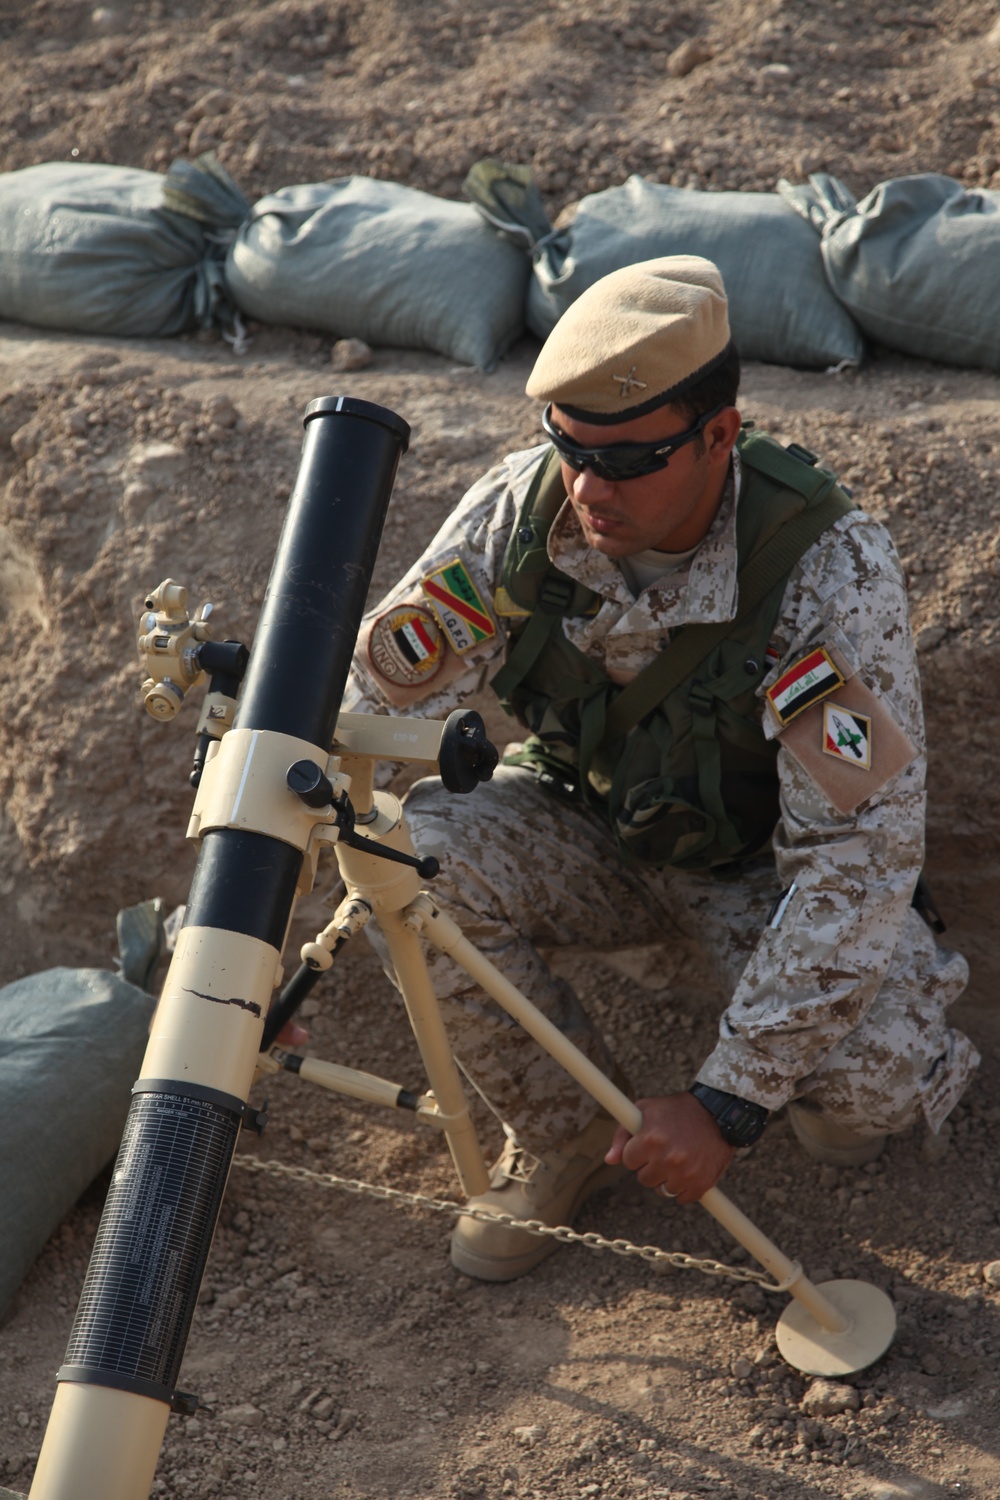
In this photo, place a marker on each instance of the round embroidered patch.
(405, 646)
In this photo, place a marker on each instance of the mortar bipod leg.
(435, 1050)
(838, 1331)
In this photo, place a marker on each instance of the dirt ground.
(338, 1352)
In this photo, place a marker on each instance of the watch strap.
(740, 1122)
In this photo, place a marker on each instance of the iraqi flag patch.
(847, 735)
(405, 646)
(455, 600)
(810, 680)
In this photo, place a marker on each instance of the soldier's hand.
(292, 1035)
(679, 1147)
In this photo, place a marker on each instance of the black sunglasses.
(620, 461)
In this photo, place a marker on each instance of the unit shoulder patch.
(851, 746)
(405, 646)
(457, 606)
(847, 735)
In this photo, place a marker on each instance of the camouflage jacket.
(433, 642)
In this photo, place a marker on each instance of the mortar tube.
(131, 1327)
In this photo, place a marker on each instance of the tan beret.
(635, 340)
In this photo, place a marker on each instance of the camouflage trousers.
(521, 870)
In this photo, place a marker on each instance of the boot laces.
(518, 1164)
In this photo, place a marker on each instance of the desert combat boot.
(824, 1140)
(551, 1187)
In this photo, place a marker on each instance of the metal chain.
(561, 1232)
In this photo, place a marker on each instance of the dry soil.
(337, 1352)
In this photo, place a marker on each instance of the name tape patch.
(810, 680)
(457, 605)
(405, 645)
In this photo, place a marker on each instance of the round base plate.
(871, 1323)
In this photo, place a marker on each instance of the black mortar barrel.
(138, 1300)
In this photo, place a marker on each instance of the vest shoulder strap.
(764, 570)
(793, 468)
(532, 581)
(527, 571)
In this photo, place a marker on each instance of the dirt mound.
(337, 1350)
(725, 94)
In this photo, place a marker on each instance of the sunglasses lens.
(619, 462)
(612, 464)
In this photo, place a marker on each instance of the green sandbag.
(362, 258)
(781, 307)
(916, 262)
(89, 248)
(71, 1044)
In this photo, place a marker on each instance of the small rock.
(991, 1273)
(158, 462)
(323, 1409)
(741, 1367)
(930, 1363)
(347, 1421)
(24, 443)
(350, 354)
(777, 73)
(926, 640)
(688, 56)
(242, 1416)
(76, 423)
(530, 1437)
(204, 136)
(135, 498)
(825, 1398)
(808, 162)
(215, 102)
(234, 1298)
(752, 1297)
(949, 1409)
(107, 21)
(935, 1145)
(220, 411)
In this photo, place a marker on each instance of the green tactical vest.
(677, 758)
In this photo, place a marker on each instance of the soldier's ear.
(721, 433)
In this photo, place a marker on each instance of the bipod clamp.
(310, 783)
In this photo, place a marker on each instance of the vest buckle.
(556, 593)
(700, 701)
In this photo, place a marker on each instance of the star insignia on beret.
(629, 383)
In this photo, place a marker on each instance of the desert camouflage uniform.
(843, 1001)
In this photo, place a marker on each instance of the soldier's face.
(671, 509)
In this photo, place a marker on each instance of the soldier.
(708, 646)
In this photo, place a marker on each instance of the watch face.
(740, 1122)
